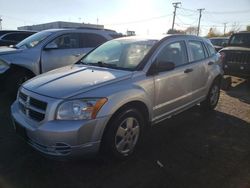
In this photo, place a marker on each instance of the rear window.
(197, 50)
(91, 40)
(240, 40)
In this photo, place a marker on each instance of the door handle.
(188, 70)
(210, 63)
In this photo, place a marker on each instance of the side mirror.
(163, 66)
(51, 46)
(160, 66)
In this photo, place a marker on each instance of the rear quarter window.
(211, 49)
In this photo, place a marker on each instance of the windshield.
(240, 40)
(119, 54)
(219, 42)
(33, 40)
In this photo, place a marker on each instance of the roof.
(160, 37)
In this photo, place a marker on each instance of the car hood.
(73, 80)
(7, 50)
(236, 48)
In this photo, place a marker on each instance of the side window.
(211, 49)
(11, 37)
(67, 41)
(197, 50)
(174, 52)
(91, 40)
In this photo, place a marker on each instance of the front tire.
(14, 80)
(212, 98)
(123, 134)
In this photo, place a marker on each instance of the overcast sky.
(142, 16)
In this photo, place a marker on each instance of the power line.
(139, 21)
(229, 12)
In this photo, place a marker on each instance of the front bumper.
(60, 139)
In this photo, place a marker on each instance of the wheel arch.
(139, 105)
(14, 68)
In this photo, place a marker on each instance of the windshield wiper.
(99, 64)
(102, 64)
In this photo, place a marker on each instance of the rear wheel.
(123, 134)
(213, 97)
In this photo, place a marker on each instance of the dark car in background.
(219, 42)
(12, 37)
(236, 56)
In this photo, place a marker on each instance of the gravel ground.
(192, 149)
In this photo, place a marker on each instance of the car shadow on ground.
(192, 149)
(240, 89)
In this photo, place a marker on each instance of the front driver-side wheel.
(14, 80)
(123, 134)
(213, 97)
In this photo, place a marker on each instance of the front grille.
(38, 104)
(23, 96)
(238, 57)
(31, 107)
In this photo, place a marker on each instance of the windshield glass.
(119, 54)
(33, 40)
(240, 40)
(219, 42)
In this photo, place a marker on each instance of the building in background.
(130, 33)
(59, 24)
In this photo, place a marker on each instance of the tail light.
(222, 56)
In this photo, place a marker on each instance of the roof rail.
(91, 28)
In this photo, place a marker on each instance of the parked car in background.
(45, 51)
(13, 37)
(236, 56)
(219, 42)
(106, 101)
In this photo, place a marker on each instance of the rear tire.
(212, 98)
(226, 83)
(123, 134)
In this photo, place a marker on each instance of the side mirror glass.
(51, 46)
(160, 66)
(163, 66)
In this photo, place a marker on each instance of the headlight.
(3, 66)
(80, 109)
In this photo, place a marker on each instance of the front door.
(172, 88)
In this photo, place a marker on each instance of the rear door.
(199, 63)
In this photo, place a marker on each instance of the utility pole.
(1, 22)
(225, 26)
(200, 10)
(175, 7)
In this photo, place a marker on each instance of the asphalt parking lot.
(193, 149)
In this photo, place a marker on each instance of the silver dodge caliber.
(106, 100)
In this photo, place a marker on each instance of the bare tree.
(191, 30)
(235, 27)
